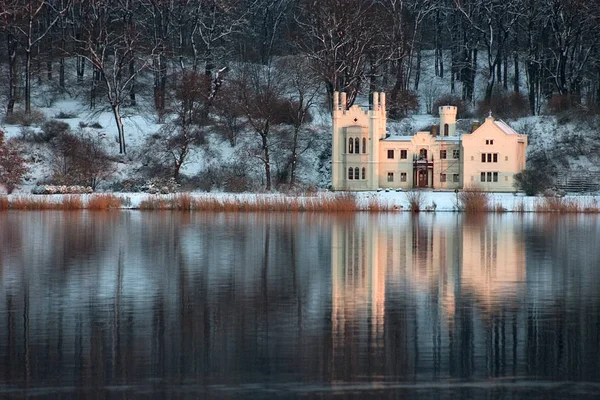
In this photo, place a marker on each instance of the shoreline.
(376, 201)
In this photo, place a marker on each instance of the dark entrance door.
(423, 178)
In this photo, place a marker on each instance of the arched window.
(356, 175)
(350, 145)
(446, 129)
(356, 145)
(350, 173)
(364, 145)
(364, 173)
(423, 154)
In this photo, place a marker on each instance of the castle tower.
(355, 143)
(447, 121)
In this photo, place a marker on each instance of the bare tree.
(302, 88)
(260, 89)
(21, 18)
(337, 35)
(112, 48)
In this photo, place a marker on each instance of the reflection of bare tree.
(200, 298)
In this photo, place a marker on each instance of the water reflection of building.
(429, 288)
(358, 285)
(493, 261)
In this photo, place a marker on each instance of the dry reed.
(338, 202)
(415, 200)
(519, 207)
(72, 202)
(4, 203)
(104, 202)
(33, 203)
(473, 199)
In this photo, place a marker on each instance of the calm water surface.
(175, 305)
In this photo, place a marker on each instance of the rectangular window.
(495, 177)
(489, 176)
(403, 154)
(483, 177)
(390, 154)
(492, 141)
(443, 154)
(442, 177)
(390, 177)
(489, 157)
(506, 158)
(455, 178)
(482, 157)
(487, 142)
(456, 154)
(402, 176)
(495, 157)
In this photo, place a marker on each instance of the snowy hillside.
(565, 144)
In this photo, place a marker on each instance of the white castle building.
(365, 157)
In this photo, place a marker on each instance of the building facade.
(365, 157)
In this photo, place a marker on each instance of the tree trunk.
(266, 160)
(132, 100)
(117, 114)
(28, 81)
(12, 72)
(517, 77)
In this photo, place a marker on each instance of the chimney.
(474, 126)
(434, 129)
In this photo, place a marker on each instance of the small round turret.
(447, 120)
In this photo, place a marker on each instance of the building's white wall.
(368, 126)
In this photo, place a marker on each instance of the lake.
(133, 304)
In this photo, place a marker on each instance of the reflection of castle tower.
(493, 261)
(358, 288)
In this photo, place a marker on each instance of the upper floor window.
(489, 157)
(446, 129)
(350, 173)
(443, 154)
(423, 154)
(489, 141)
(356, 145)
(364, 145)
(390, 154)
(351, 145)
(403, 154)
(456, 154)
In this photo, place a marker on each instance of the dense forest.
(190, 56)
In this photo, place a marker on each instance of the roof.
(505, 128)
(410, 137)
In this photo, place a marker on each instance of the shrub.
(532, 181)
(65, 115)
(473, 199)
(53, 128)
(415, 200)
(402, 105)
(560, 103)
(95, 125)
(13, 167)
(505, 105)
(80, 160)
(19, 117)
(161, 185)
(451, 100)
